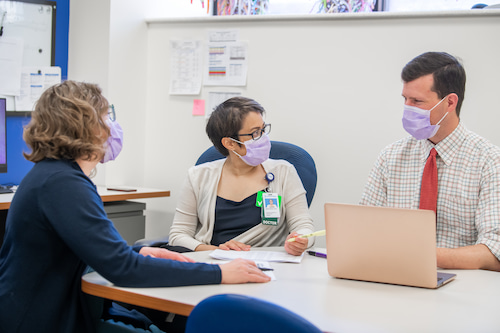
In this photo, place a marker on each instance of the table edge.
(136, 299)
(134, 195)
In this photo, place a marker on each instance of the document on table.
(263, 265)
(256, 256)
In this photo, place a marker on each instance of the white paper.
(256, 256)
(34, 81)
(186, 67)
(260, 264)
(227, 35)
(227, 64)
(216, 98)
(11, 59)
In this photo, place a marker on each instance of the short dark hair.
(447, 72)
(227, 119)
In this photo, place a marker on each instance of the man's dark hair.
(447, 71)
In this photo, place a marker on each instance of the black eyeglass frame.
(256, 135)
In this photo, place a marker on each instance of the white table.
(471, 303)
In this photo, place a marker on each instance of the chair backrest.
(244, 314)
(301, 160)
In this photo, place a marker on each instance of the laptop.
(382, 244)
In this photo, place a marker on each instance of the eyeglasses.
(258, 133)
(111, 113)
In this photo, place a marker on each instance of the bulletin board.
(35, 22)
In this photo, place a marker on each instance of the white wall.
(127, 89)
(329, 85)
(107, 46)
(88, 54)
(174, 8)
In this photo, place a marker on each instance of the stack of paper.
(256, 256)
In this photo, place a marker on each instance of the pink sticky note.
(198, 107)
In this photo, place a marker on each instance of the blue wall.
(17, 165)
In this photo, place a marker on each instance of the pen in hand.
(317, 233)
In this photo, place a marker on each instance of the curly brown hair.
(68, 123)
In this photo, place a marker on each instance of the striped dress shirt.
(468, 204)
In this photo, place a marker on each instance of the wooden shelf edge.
(134, 195)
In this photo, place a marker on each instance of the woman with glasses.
(222, 202)
(57, 225)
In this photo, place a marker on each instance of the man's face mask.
(417, 121)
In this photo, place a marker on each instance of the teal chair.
(244, 314)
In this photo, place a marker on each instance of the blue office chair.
(301, 160)
(244, 314)
(297, 156)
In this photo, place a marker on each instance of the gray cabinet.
(128, 218)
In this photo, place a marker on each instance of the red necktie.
(429, 187)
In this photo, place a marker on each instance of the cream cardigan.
(195, 213)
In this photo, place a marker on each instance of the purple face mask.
(114, 143)
(417, 121)
(257, 150)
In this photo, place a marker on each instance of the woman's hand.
(234, 245)
(205, 247)
(158, 252)
(296, 247)
(242, 271)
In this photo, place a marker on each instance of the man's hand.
(476, 256)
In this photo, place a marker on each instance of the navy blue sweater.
(56, 226)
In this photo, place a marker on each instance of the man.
(468, 167)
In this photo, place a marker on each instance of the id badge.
(269, 204)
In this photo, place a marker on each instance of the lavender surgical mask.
(114, 144)
(417, 121)
(257, 150)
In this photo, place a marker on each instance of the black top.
(234, 218)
